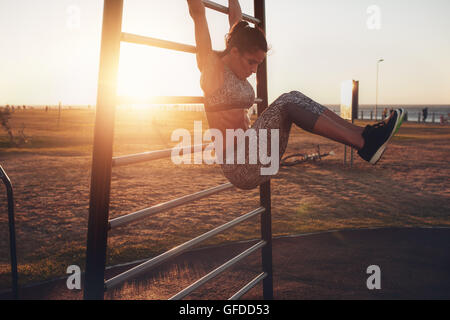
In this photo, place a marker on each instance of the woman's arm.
(235, 12)
(202, 36)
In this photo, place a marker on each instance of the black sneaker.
(376, 137)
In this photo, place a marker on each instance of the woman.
(228, 94)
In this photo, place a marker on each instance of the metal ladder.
(103, 161)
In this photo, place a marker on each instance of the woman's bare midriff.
(227, 119)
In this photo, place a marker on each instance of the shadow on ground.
(414, 264)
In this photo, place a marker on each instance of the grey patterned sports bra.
(234, 94)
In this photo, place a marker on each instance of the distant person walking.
(425, 114)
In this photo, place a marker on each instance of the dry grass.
(51, 176)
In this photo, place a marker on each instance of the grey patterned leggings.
(280, 115)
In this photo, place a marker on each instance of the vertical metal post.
(102, 153)
(355, 107)
(266, 217)
(376, 103)
(345, 155)
(12, 231)
(351, 157)
(376, 97)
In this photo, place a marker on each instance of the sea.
(413, 111)
(367, 111)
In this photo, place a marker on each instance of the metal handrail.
(223, 9)
(249, 286)
(12, 231)
(113, 282)
(186, 291)
(131, 217)
(155, 155)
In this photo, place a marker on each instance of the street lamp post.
(376, 98)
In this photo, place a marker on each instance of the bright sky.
(50, 49)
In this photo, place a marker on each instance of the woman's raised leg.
(318, 119)
(339, 131)
(370, 141)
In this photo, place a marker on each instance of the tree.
(5, 115)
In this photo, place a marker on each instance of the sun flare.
(145, 73)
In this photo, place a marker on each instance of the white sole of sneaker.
(381, 150)
(401, 120)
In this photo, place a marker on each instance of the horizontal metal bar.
(157, 154)
(171, 45)
(162, 100)
(154, 42)
(223, 9)
(217, 271)
(167, 100)
(120, 221)
(177, 250)
(248, 286)
(158, 43)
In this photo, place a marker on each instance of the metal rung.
(137, 39)
(217, 271)
(223, 9)
(158, 43)
(162, 100)
(156, 155)
(120, 221)
(249, 286)
(113, 282)
(167, 100)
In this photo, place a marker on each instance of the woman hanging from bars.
(228, 95)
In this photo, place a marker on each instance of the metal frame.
(217, 7)
(12, 232)
(103, 161)
(354, 106)
(168, 100)
(141, 214)
(183, 293)
(111, 283)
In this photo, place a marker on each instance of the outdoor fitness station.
(103, 162)
(409, 246)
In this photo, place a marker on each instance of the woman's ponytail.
(245, 38)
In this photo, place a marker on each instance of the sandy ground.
(409, 187)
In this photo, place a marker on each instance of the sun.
(146, 72)
(136, 73)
